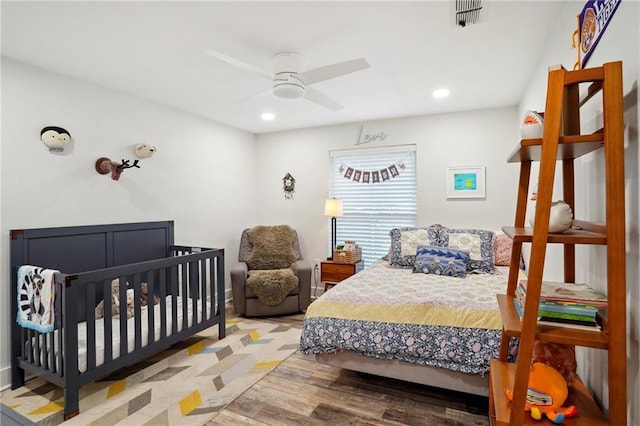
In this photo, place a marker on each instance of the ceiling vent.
(469, 12)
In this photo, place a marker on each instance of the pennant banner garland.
(372, 176)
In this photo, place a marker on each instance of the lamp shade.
(333, 207)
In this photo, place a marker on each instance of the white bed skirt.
(395, 369)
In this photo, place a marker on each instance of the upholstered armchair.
(271, 277)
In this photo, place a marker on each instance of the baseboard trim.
(5, 378)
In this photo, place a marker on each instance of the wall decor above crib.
(55, 138)
(105, 166)
(145, 150)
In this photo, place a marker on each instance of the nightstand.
(331, 272)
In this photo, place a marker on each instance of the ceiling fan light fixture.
(289, 81)
(288, 90)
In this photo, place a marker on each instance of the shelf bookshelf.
(562, 143)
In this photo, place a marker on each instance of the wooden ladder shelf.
(562, 141)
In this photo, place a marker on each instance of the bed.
(183, 288)
(430, 328)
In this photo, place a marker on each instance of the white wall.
(619, 42)
(203, 176)
(468, 138)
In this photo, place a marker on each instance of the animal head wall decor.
(56, 138)
(145, 150)
(105, 166)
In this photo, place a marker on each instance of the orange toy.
(546, 393)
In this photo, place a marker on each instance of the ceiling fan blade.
(321, 99)
(332, 71)
(238, 63)
(252, 96)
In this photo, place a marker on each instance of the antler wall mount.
(105, 166)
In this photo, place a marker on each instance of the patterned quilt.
(428, 319)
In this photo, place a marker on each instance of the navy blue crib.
(189, 283)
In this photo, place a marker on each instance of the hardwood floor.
(301, 391)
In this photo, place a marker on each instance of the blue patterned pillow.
(441, 261)
(478, 242)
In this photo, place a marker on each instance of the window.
(378, 192)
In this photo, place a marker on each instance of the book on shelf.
(561, 310)
(559, 322)
(570, 293)
(567, 316)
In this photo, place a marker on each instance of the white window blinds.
(378, 192)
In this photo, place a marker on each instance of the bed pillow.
(441, 261)
(405, 243)
(502, 245)
(478, 242)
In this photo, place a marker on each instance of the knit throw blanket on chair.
(272, 286)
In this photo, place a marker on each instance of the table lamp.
(333, 208)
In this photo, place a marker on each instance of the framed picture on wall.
(466, 182)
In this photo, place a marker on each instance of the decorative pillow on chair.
(272, 247)
(477, 242)
(405, 242)
(441, 261)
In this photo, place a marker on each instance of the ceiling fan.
(290, 82)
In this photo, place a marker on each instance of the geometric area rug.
(188, 384)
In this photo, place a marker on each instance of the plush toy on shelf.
(546, 393)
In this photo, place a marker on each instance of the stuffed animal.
(115, 300)
(557, 355)
(546, 393)
(144, 295)
(560, 216)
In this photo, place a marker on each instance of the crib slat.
(203, 288)
(57, 366)
(151, 307)
(137, 315)
(122, 296)
(30, 345)
(222, 331)
(61, 343)
(163, 303)
(174, 299)
(193, 281)
(107, 323)
(91, 325)
(185, 295)
(212, 285)
(46, 350)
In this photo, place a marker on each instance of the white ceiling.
(155, 51)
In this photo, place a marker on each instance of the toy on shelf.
(532, 125)
(546, 393)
